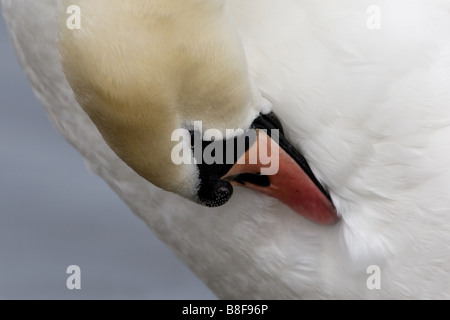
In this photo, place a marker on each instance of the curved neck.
(200, 51)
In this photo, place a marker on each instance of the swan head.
(155, 77)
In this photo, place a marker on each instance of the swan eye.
(268, 121)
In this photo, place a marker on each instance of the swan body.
(368, 108)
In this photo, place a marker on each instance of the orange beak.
(291, 184)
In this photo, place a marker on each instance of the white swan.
(368, 108)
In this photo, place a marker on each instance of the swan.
(366, 109)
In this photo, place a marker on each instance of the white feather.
(368, 108)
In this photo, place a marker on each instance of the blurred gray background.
(53, 214)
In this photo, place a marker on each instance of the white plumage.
(370, 110)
